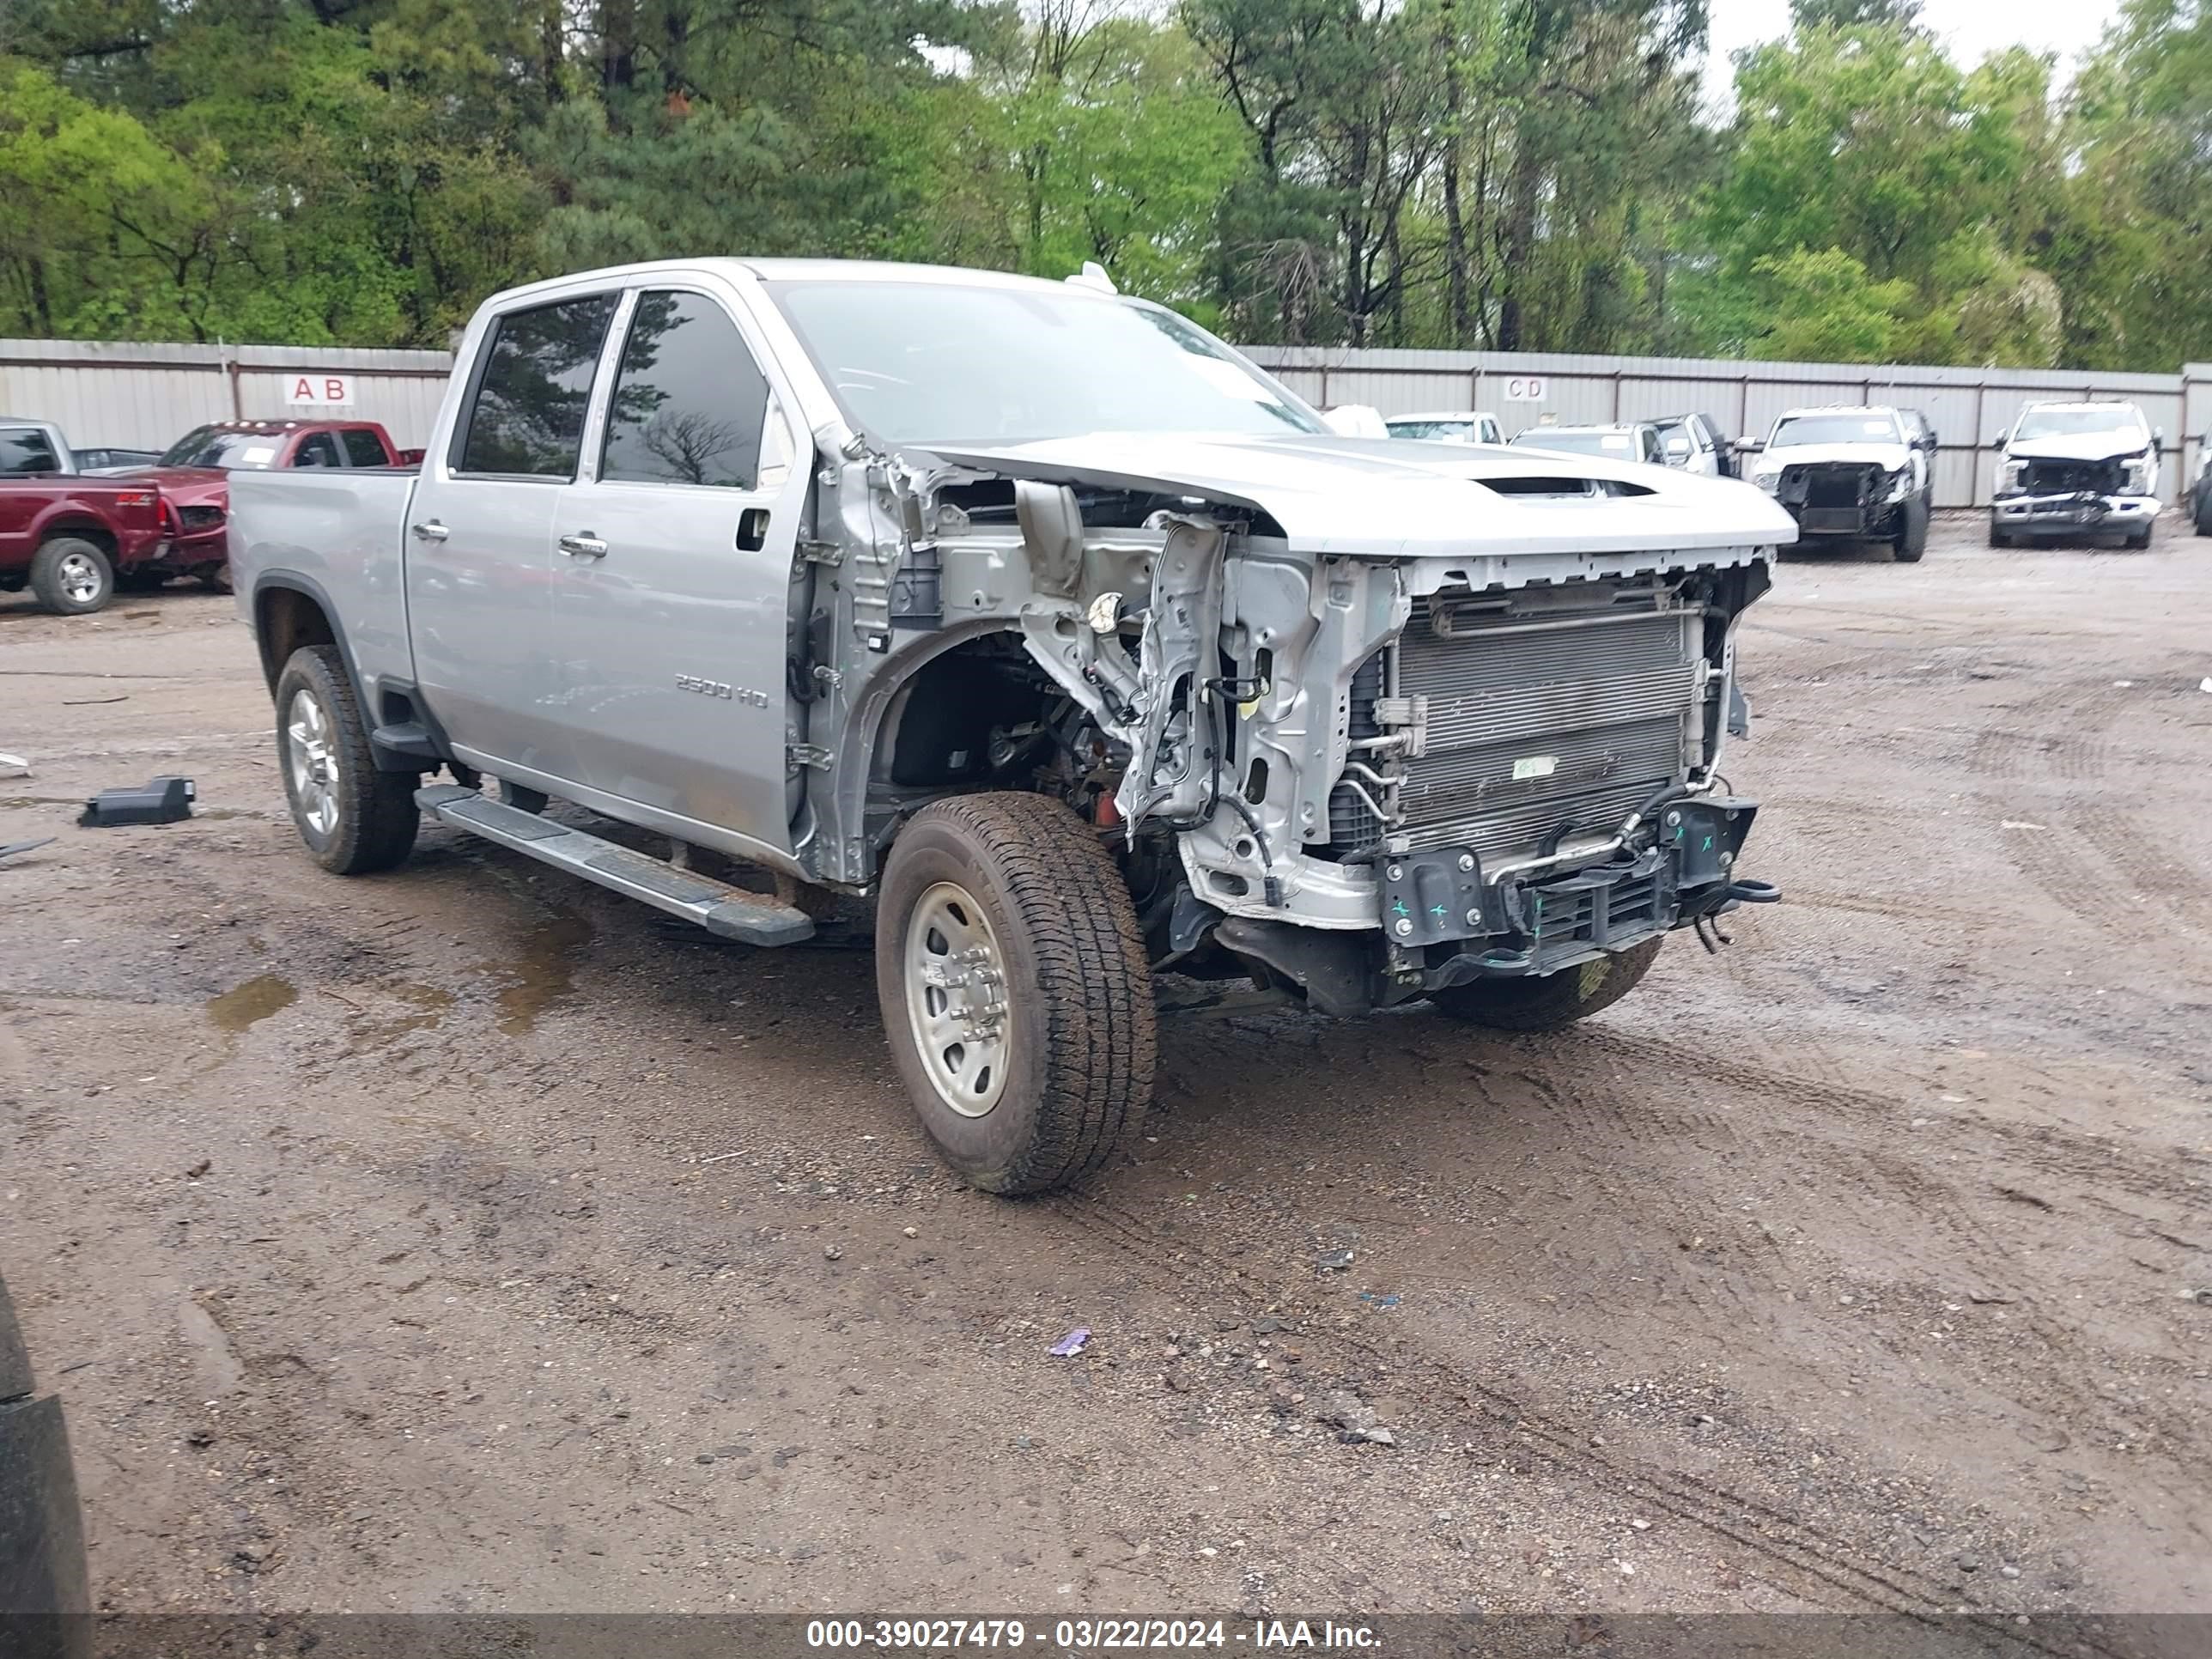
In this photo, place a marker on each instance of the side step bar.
(723, 910)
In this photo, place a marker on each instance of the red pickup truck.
(194, 474)
(73, 540)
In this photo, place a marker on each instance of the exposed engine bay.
(1362, 778)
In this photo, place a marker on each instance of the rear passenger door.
(479, 534)
(672, 577)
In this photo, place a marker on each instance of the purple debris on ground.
(1072, 1342)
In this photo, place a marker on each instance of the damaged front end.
(1858, 500)
(1359, 775)
(2061, 495)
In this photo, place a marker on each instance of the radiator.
(1536, 723)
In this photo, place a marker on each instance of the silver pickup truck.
(1047, 621)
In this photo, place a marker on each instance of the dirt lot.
(469, 1239)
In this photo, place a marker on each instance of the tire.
(1555, 1000)
(2140, 539)
(1910, 541)
(45, 1588)
(2204, 513)
(1057, 1080)
(216, 578)
(1997, 538)
(353, 819)
(72, 577)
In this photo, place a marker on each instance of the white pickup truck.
(1045, 621)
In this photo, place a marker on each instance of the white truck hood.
(2078, 446)
(1888, 456)
(1369, 498)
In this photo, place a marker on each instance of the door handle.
(584, 546)
(431, 530)
(752, 530)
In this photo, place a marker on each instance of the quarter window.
(528, 419)
(689, 401)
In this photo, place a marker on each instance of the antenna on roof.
(1093, 276)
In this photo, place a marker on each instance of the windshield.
(1834, 429)
(2077, 423)
(947, 363)
(210, 446)
(1448, 431)
(1621, 446)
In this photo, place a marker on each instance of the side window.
(527, 418)
(363, 447)
(318, 449)
(689, 402)
(25, 450)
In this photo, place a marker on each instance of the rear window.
(363, 447)
(1447, 431)
(25, 450)
(212, 446)
(526, 419)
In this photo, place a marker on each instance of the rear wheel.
(1556, 1000)
(353, 819)
(72, 577)
(1014, 990)
(2205, 511)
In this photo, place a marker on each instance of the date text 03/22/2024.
(1084, 1635)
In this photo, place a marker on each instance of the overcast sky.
(1972, 29)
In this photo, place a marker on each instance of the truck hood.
(1888, 457)
(187, 486)
(2078, 446)
(1381, 499)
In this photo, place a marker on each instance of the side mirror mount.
(2157, 436)
(1997, 441)
(1749, 446)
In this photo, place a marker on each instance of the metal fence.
(147, 396)
(1967, 406)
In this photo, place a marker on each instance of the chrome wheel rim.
(956, 999)
(79, 577)
(308, 758)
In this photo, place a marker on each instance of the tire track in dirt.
(1815, 1562)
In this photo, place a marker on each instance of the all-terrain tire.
(1912, 538)
(72, 577)
(1075, 1041)
(1997, 538)
(1554, 1000)
(353, 819)
(2204, 513)
(2139, 540)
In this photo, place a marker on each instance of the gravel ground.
(470, 1239)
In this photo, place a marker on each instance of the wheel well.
(284, 619)
(938, 730)
(84, 530)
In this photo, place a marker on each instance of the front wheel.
(1554, 1000)
(72, 577)
(1910, 541)
(1014, 990)
(2140, 539)
(1998, 538)
(353, 819)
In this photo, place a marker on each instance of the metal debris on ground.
(13, 848)
(1071, 1343)
(13, 766)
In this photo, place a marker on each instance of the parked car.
(1355, 421)
(1624, 441)
(1450, 425)
(2200, 494)
(1851, 473)
(45, 1601)
(72, 541)
(1089, 655)
(30, 448)
(1695, 443)
(2076, 469)
(194, 474)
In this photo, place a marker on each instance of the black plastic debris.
(163, 800)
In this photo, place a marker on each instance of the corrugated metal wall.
(146, 397)
(1967, 406)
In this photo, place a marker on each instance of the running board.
(725, 911)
